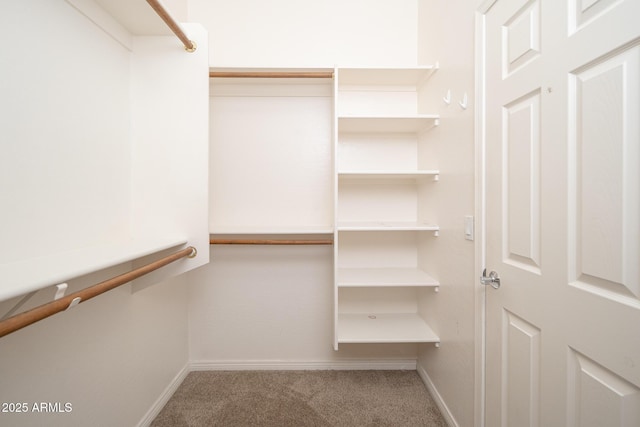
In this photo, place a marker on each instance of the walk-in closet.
(339, 212)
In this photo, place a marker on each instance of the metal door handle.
(493, 279)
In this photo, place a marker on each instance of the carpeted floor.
(300, 398)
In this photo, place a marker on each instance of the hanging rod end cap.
(194, 252)
(193, 47)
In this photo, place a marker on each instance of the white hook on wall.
(447, 98)
(465, 102)
(74, 302)
(61, 289)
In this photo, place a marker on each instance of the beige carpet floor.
(300, 398)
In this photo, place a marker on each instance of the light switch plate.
(468, 227)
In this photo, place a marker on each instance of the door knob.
(493, 279)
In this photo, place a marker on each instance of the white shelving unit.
(384, 173)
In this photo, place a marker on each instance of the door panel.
(521, 37)
(604, 215)
(520, 371)
(562, 210)
(521, 182)
(598, 397)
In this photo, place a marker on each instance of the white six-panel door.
(562, 160)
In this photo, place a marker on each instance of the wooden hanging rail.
(270, 242)
(272, 74)
(164, 14)
(43, 311)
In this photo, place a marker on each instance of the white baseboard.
(444, 409)
(292, 365)
(157, 406)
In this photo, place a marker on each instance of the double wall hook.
(463, 104)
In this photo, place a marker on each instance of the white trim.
(444, 409)
(480, 220)
(162, 400)
(292, 365)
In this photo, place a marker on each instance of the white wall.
(293, 33)
(447, 36)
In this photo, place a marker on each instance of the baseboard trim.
(157, 406)
(444, 409)
(292, 365)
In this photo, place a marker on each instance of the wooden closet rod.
(273, 74)
(269, 242)
(163, 13)
(43, 311)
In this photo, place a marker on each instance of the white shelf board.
(384, 328)
(381, 277)
(33, 274)
(232, 229)
(387, 124)
(393, 174)
(385, 226)
(385, 76)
